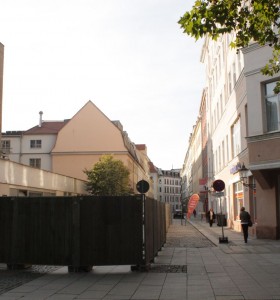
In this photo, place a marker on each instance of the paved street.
(192, 265)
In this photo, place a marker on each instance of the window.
(6, 146)
(227, 145)
(35, 162)
(272, 104)
(238, 199)
(223, 153)
(219, 159)
(221, 104)
(236, 138)
(229, 83)
(35, 143)
(234, 73)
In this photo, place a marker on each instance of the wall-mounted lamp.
(243, 173)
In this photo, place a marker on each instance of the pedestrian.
(194, 213)
(211, 216)
(245, 219)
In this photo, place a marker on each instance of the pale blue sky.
(129, 57)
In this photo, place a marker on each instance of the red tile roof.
(48, 127)
(140, 146)
(153, 168)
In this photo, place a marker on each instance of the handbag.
(250, 224)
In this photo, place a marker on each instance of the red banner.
(192, 204)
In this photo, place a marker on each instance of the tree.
(251, 20)
(108, 177)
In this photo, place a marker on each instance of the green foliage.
(108, 177)
(251, 20)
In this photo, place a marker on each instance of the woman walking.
(211, 216)
(245, 218)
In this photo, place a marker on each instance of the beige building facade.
(89, 135)
(70, 146)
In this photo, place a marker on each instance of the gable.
(89, 130)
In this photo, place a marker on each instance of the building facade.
(263, 141)
(69, 147)
(169, 187)
(192, 170)
(239, 128)
(34, 146)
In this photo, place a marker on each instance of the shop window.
(272, 105)
(238, 199)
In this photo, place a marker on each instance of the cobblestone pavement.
(181, 234)
(184, 234)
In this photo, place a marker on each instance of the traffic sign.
(142, 186)
(218, 185)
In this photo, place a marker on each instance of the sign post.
(219, 186)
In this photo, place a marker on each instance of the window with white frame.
(35, 143)
(229, 82)
(236, 138)
(234, 73)
(35, 162)
(272, 105)
(227, 145)
(223, 153)
(6, 145)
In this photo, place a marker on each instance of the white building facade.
(32, 147)
(169, 187)
(241, 127)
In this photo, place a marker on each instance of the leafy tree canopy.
(108, 177)
(251, 20)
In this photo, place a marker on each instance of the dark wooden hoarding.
(81, 231)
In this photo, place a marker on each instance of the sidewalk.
(190, 266)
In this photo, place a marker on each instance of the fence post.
(76, 236)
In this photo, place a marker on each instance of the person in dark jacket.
(211, 216)
(244, 217)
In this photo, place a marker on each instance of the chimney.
(40, 120)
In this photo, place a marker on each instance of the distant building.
(169, 187)
(192, 170)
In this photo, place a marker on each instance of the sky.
(129, 57)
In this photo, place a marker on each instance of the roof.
(153, 168)
(140, 146)
(47, 127)
(14, 133)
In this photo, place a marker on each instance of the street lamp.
(243, 173)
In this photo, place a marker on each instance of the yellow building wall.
(85, 138)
